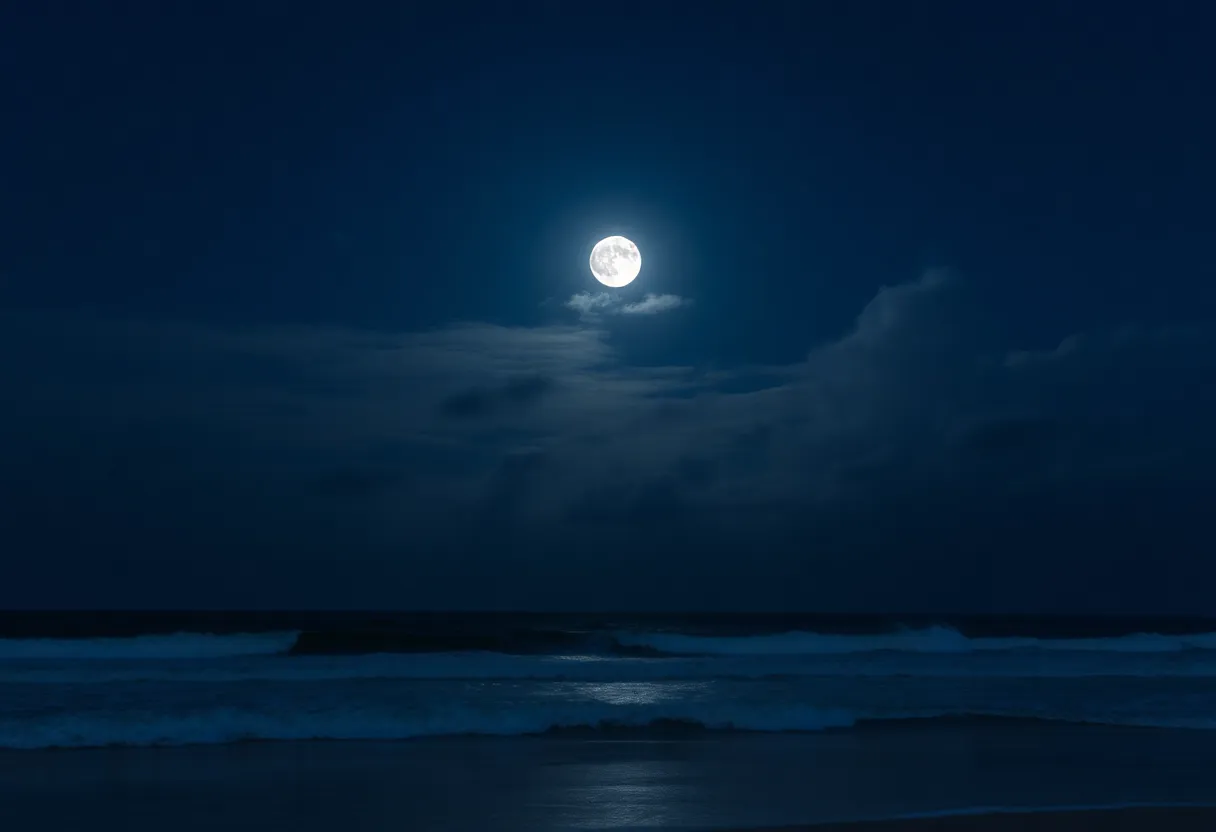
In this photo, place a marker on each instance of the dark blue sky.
(296, 306)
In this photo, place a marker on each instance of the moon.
(615, 261)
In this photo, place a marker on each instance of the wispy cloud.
(587, 303)
(590, 305)
(654, 304)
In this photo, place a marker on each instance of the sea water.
(89, 680)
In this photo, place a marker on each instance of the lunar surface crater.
(615, 261)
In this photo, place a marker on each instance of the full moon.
(615, 261)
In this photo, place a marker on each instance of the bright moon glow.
(615, 261)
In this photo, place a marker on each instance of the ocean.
(154, 679)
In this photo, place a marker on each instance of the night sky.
(296, 309)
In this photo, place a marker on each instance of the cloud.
(1009, 435)
(472, 448)
(590, 305)
(654, 304)
(515, 392)
(586, 303)
(1066, 347)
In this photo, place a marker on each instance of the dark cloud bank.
(910, 463)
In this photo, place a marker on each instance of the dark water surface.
(88, 680)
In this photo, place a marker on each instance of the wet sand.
(719, 782)
(1139, 819)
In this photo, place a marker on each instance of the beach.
(717, 782)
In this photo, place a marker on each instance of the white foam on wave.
(926, 640)
(170, 646)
